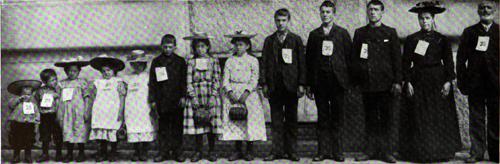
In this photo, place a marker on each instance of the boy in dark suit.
(284, 77)
(477, 69)
(167, 89)
(328, 52)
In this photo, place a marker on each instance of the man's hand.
(265, 91)
(446, 89)
(396, 89)
(410, 89)
(300, 91)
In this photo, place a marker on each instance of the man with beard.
(477, 69)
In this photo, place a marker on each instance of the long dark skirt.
(430, 130)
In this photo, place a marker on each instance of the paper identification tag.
(327, 49)
(28, 108)
(421, 48)
(286, 53)
(364, 51)
(482, 43)
(201, 64)
(161, 74)
(67, 94)
(47, 100)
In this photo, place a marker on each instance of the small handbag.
(121, 134)
(238, 112)
(202, 116)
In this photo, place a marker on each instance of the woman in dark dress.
(430, 127)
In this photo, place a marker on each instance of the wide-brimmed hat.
(137, 56)
(16, 87)
(434, 7)
(239, 34)
(105, 60)
(78, 61)
(197, 35)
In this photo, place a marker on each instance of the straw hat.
(105, 60)
(197, 35)
(78, 61)
(16, 87)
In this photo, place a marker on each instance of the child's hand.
(152, 105)
(244, 97)
(182, 103)
(120, 118)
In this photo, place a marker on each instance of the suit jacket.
(170, 91)
(480, 74)
(337, 64)
(275, 68)
(383, 66)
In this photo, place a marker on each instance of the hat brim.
(198, 37)
(77, 63)
(115, 64)
(241, 36)
(433, 10)
(138, 61)
(16, 87)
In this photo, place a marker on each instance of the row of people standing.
(194, 98)
(373, 61)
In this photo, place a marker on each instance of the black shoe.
(43, 158)
(235, 156)
(135, 157)
(319, 158)
(112, 157)
(272, 157)
(293, 157)
(59, 158)
(81, 157)
(27, 159)
(362, 158)
(389, 158)
(16, 159)
(100, 157)
(473, 159)
(196, 157)
(159, 158)
(68, 158)
(180, 158)
(212, 157)
(249, 156)
(143, 157)
(337, 158)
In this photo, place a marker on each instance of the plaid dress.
(203, 87)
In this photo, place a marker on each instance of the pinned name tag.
(47, 100)
(201, 64)
(482, 43)
(364, 51)
(421, 48)
(28, 108)
(67, 94)
(327, 49)
(286, 54)
(161, 74)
